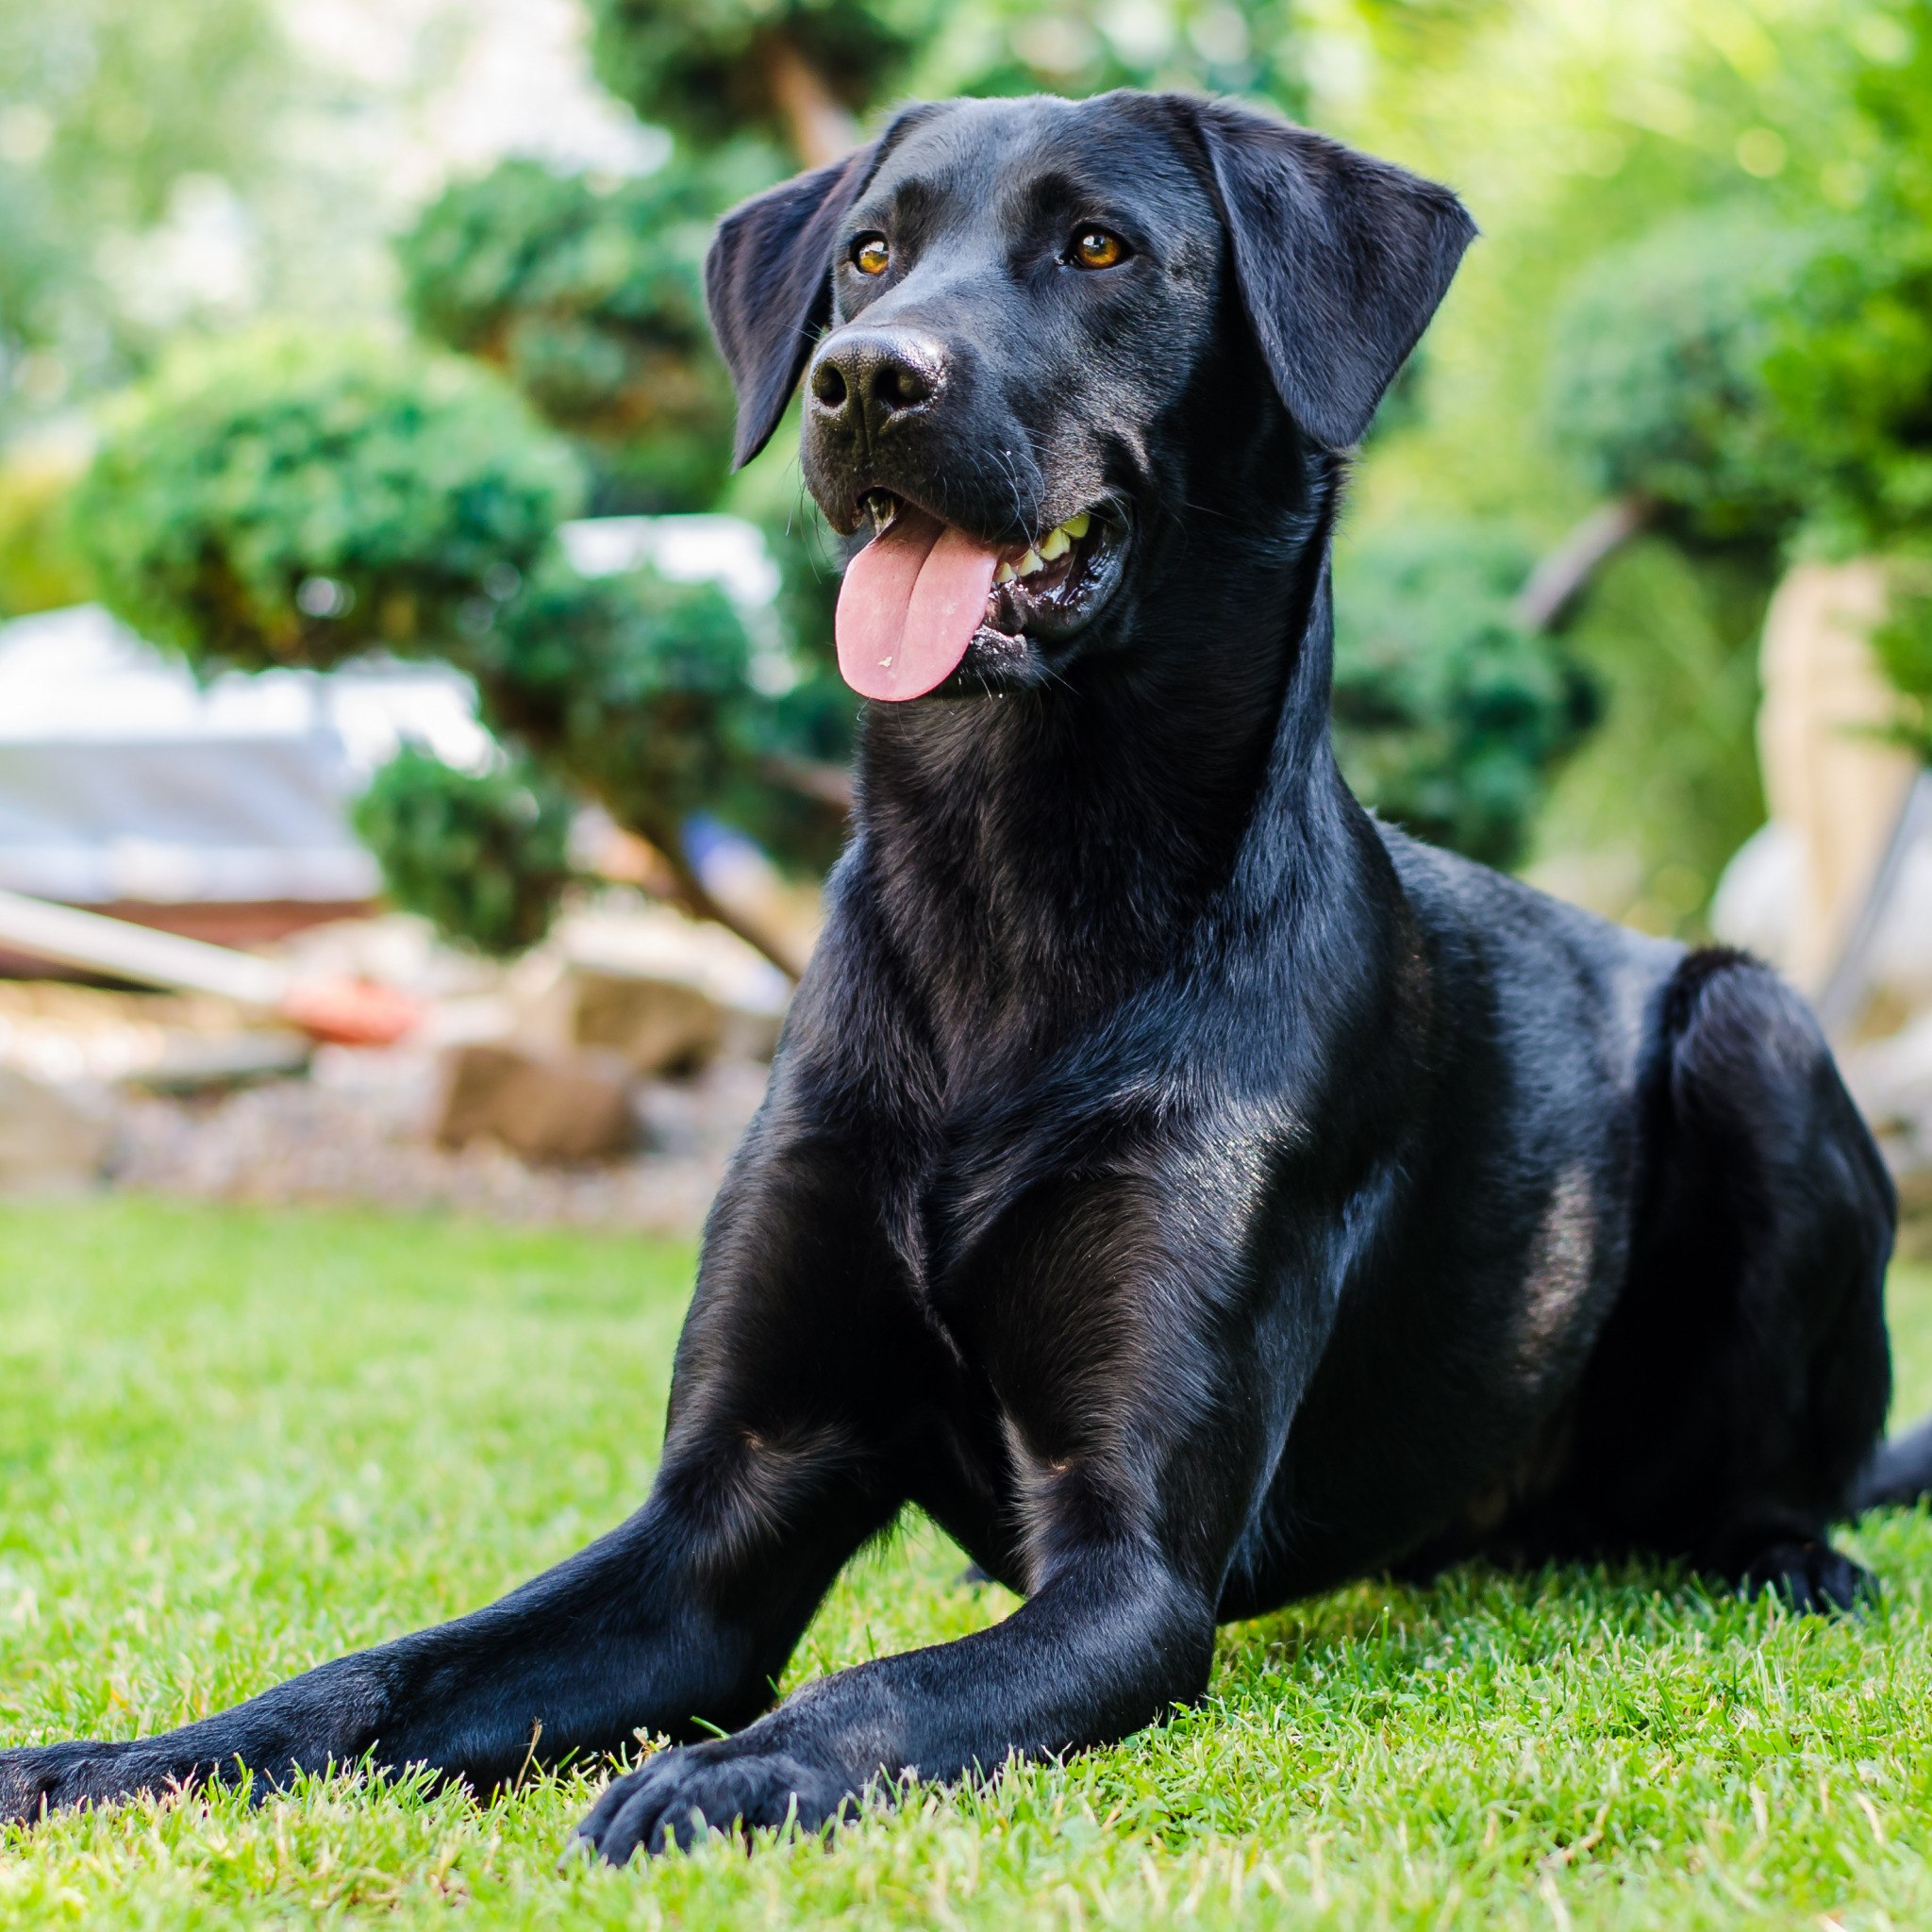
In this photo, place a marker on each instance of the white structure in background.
(1762, 888)
(1837, 889)
(1799, 891)
(722, 550)
(726, 550)
(123, 779)
(449, 87)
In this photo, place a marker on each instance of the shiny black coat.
(1187, 1189)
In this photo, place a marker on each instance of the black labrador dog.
(1187, 1189)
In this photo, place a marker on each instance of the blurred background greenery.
(290, 372)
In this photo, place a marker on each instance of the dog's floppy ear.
(1340, 261)
(768, 281)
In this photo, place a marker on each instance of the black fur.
(1188, 1191)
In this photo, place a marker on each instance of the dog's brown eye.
(871, 256)
(1096, 248)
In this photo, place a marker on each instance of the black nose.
(862, 379)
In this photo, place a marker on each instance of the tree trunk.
(663, 867)
(820, 129)
(1556, 582)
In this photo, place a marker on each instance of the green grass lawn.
(234, 1444)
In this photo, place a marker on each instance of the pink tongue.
(908, 606)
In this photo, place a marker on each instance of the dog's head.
(1005, 312)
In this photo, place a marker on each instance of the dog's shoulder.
(1523, 945)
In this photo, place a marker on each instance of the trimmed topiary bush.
(589, 297)
(1658, 372)
(712, 70)
(296, 499)
(484, 857)
(295, 502)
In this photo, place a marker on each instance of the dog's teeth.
(1028, 564)
(1054, 545)
(1004, 574)
(1077, 526)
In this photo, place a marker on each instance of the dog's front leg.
(676, 1620)
(1111, 1642)
(1144, 1395)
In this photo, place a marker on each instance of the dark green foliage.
(1658, 370)
(632, 683)
(1763, 367)
(1904, 643)
(1449, 718)
(643, 690)
(295, 500)
(484, 857)
(1754, 376)
(709, 69)
(1849, 382)
(591, 298)
(1851, 372)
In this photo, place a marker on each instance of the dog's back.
(1627, 1293)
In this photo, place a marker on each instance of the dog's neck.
(1046, 852)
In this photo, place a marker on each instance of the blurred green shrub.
(641, 689)
(709, 69)
(40, 566)
(1851, 368)
(1762, 367)
(1657, 372)
(1848, 378)
(589, 297)
(300, 501)
(1757, 379)
(483, 856)
(1666, 787)
(1903, 645)
(294, 499)
(1450, 717)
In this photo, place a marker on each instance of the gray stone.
(658, 1025)
(545, 1107)
(49, 1142)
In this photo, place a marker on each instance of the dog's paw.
(1814, 1578)
(40, 1779)
(724, 1785)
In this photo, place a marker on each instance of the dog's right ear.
(768, 281)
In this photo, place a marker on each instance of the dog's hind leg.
(1899, 1473)
(677, 1621)
(1742, 1381)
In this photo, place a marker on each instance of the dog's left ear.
(768, 281)
(1340, 261)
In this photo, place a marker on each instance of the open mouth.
(919, 595)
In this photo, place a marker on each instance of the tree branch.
(1556, 581)
(820, 129)
(818, 779)
(689, 892)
